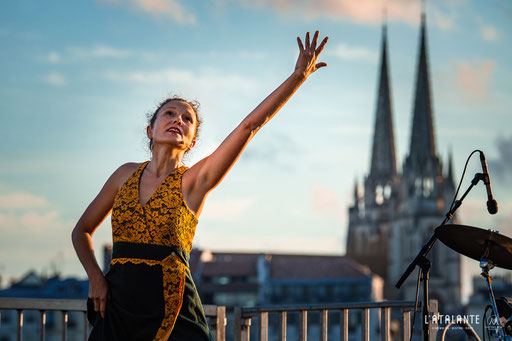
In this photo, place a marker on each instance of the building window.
(418, 185)
(379, 195)
(428, 187)
(387, 192)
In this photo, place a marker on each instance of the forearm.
(274, 102)
(82, 242)
(211, 170)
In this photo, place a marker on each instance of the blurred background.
(78, 79)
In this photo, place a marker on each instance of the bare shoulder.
(119, 177)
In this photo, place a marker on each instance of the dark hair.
(193, 104)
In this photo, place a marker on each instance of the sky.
(78, 79)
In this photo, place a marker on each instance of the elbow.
(250, 128)
(76, 234)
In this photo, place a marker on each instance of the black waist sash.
(148, 251)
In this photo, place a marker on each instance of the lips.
(175, 130)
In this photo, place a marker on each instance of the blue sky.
(78, 80)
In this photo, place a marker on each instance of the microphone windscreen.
(492, 206)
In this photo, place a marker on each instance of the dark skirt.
(151, 297)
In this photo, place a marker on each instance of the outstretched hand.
(306, 63)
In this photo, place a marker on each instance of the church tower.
(397, 213)
(425, 194)
(370, 217)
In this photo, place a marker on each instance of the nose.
(178, 120)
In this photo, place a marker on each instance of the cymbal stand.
(487, 265)
(421, 258)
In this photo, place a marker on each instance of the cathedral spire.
(450, 177)
(383, 162)
(422, 148)
(356, 193)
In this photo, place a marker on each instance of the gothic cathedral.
(398, 212)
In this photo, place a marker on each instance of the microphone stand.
(424, 264)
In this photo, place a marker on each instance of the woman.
(148, 293)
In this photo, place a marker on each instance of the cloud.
(21, 201)
(26, 213)
(489, 33)
(227, 210)
(53, 58)
(326, 201)
(77, 54)
(443, 20)
(502, 165)
(206, 79)
(31, 231)
(55, 79)
(345, 51)
(365, 11)
(473, 78)
(172, 9)
(98, 52)
(271, 150)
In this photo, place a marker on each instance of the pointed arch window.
(428, 186)
(379, 195)
(387, 191)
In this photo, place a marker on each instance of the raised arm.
(210, 171)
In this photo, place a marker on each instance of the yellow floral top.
(164, 220)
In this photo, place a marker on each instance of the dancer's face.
(175, 124)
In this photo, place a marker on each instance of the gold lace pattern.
(164, 220)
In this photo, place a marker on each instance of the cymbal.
(473, 241)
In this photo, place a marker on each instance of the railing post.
(365, 328)
(433, 326)
(220, 323)
(242, 326)
(406, 325)
(303, 325)
(42, 324)
(19, 328)
(64, 325)
(324, 323)
(282, 325)
(263, 328)
(344, 325)
(385, 319)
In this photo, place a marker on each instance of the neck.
(164, 160)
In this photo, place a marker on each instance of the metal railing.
(244, 316)
(216, 315)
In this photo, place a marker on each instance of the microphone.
(492, 205)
